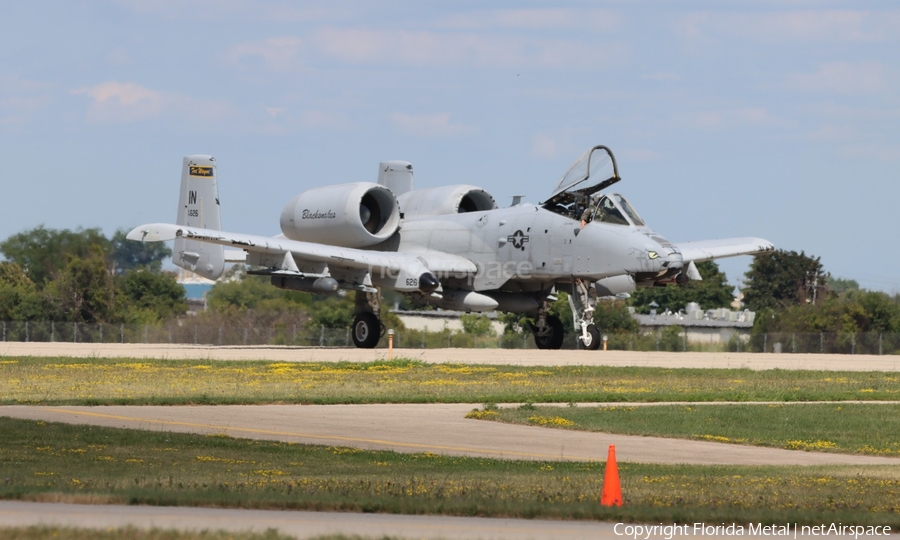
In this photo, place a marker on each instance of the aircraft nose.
(674, 258)
(428, 283)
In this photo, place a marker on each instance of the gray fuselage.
(528, 248)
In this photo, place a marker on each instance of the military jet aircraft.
(449, 247)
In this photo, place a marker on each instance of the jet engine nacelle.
(443, 200)
(348, 215)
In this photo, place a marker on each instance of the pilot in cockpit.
(588, 215)
(602, 208)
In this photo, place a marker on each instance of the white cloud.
(192, 10)
(728, 118)
(662, 76)
(755, 116)
(119, 57)
(21, 100)
(22, 94)
(884, 152)
(537, 19)
(841, 78)
(114, 102)
(291, 13)
(641, 154)
(707, 119)
(237, 10)
(428, 125)
(829, 133)
(279, 54)
(364, 46)
(792, 26)
(855, 112)
(544, 147)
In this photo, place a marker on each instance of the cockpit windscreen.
(628, 209)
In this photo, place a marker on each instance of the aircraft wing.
(282, 255)
(707, 250)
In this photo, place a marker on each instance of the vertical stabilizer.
(397, 176)
(198, 206)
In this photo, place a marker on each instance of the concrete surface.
(438, 428)
(304, 525)
(830, 362)
(297, 523)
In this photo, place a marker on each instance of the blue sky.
(777, 119)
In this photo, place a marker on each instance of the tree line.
(83, 276)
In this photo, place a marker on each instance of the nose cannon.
(428, 283)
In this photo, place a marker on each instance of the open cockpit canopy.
(595, 170)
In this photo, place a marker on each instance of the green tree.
(781, 279)
(332, 312)
(712, 292)
(42, 252)
(149, 296)
(561, 309)
(476, 324)
(240, 291)
(840, 286)
(19, 298)
(83, 291)
(851, 313)
(613, 317)
(128, 254)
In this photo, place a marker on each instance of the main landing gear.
(547, 329)
(367, 328)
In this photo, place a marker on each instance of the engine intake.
(348, 215)
(443, 200)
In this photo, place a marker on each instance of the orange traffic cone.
(612, 491)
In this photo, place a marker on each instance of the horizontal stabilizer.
(154, 232)
(707, 250)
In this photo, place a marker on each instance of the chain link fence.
(667, 339)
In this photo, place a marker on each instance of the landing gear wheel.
(592, 341)
(552, 335)
(366, 330)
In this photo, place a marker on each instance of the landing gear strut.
(548, 329)
(582, 301)
(367, 328)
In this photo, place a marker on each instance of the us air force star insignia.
(518, 240)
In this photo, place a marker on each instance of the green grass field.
(60, 462)
(133, 533)
(853, 428)
(69, 381)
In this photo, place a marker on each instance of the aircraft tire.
(592, 343)
(366, 330)
(552, 339)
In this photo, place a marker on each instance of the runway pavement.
(301, 524)
(438, 428)
(829, 362)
